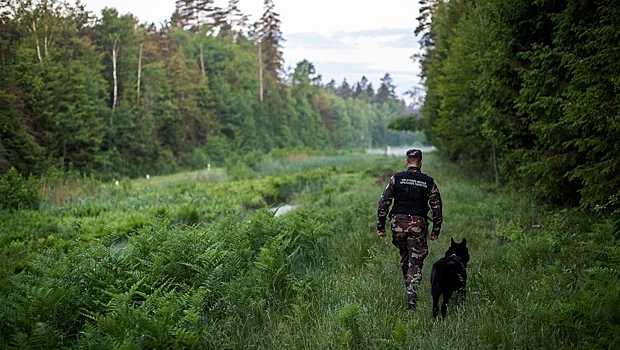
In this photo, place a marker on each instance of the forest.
(527, 93)
(521, 104)
(104, 95)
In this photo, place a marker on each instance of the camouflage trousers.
(409, 236)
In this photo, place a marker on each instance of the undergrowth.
(197, 263)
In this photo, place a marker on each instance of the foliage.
(348, 318)
(526, 90)
(18, 193)
(119, 98)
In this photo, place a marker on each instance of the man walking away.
(413, 193)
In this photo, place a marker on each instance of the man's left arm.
(434, 200)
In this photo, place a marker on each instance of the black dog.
(449, 274)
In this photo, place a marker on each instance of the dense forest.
(527, 92)
(108, 96)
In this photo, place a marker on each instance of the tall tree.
(304, 91)
(231, 21)
(115, 34)
(331, 86)
(39, 18)
(344, 90)
(360, 87)
(189, 90)
(192, 15)
(386, 90)
(271, 39)
(370, 92)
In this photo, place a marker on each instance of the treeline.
(114, 97)
(527, 91)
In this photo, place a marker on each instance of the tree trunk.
(260, 70)
(202, 63)
(495, 166)
(36, 40)
(114, 58)
(139, 74)
(47, 41)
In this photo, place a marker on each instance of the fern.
(603, 273)
(348, 318)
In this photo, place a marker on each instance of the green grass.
(189, 262)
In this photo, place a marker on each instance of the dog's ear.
(464, 241)
(452, 240)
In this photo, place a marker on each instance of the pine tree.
(344, 90)
(370, 92)
(231, 21)
(331, 86)
(360, 87)
(192, 15)
(386, 90)
(271, 38)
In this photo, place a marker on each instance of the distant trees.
(194, 14)
(344, 90)
(232, 21)
(527, 91)
(114, 97)
(368, 113)
(386, 90)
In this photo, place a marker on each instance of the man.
(412, 193)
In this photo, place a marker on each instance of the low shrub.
(18, 193)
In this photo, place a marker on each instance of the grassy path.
(537, 279)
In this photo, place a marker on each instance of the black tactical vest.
(411, 191)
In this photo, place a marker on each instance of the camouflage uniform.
(413, 194)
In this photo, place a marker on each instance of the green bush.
(17, 193)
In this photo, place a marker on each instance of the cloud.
(351, 55)
(401, 37)
(346, 15)
(312, 41)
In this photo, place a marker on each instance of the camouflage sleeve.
(384, 204)
(434, 200)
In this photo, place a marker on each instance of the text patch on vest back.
(413, 182)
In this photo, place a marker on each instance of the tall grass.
(182, 262)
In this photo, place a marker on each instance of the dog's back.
(448, 275)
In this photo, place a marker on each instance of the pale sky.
(342, 38)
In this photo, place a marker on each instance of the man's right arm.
(384, 207)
